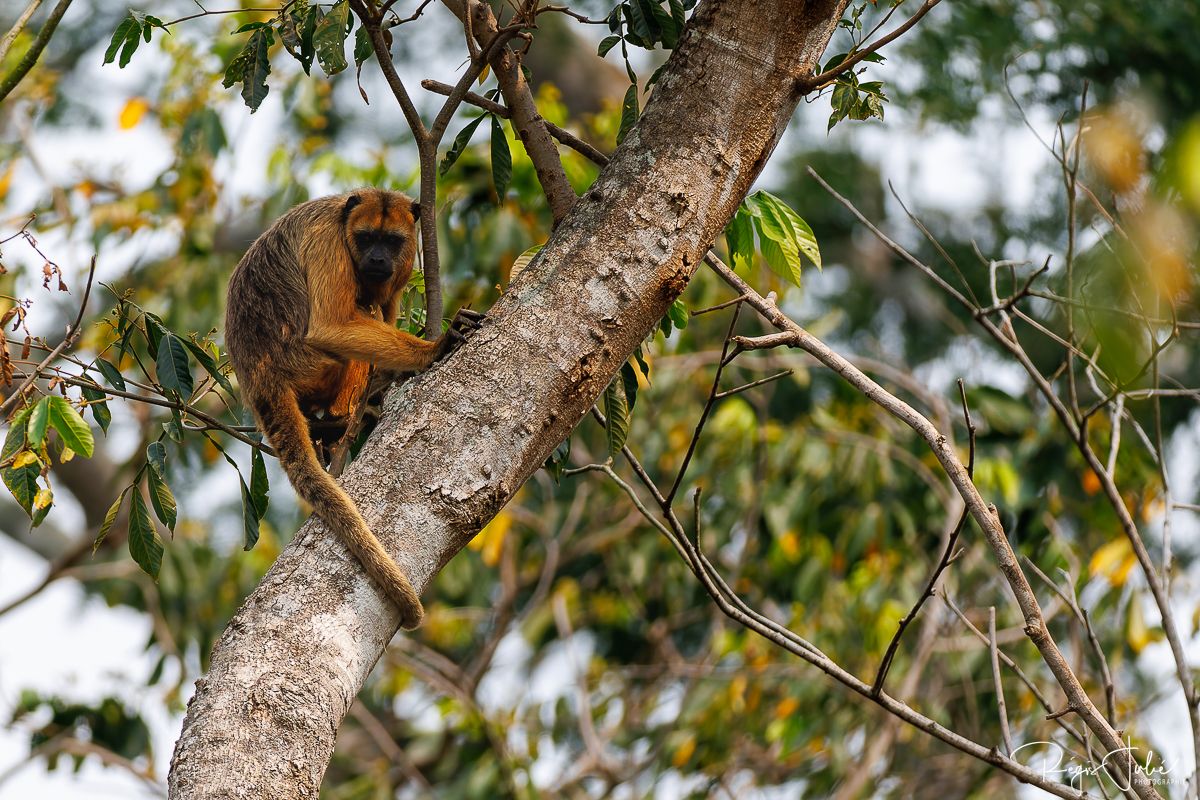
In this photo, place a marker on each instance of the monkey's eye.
(365, 239)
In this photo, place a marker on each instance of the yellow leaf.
(24, 459)
(1114, 560)
(135, 108)
(737, 693)
(684, 751)
(789, 543)
(1136, 632)
(1189, 164)
(66, 455)
(490, 541)
(43, 498)
(6, 179)
(483, 73)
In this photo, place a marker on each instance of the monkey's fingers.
(466, 320)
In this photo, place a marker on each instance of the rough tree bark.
(262, 722)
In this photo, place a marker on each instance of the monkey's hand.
(465, 322)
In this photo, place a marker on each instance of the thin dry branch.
(1008, 340)
(948, 557)
(985, 516)
(736, 609)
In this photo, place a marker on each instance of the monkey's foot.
(464, 323)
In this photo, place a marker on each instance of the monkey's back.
(267, 309)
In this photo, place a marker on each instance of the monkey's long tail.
(287, 431)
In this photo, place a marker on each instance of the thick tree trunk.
(263, 721)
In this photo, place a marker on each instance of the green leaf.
(783, 261)
(557, 462)
(252, 26)
(616, 413)
(606, 44)
(329, 38)
(156, 457)
(174, 428)
(156, 329)
(665, 22)
(802, 234)
(739, 235)
(14, 441)
(97, 402)
(39, 421)
(501, 160)
(128, 28)
(629, 112)
(22, 482)
(629, 382)
(296, 32)
(641, 360)
(206, 360)
(109, 518)
(111, 374)
(460, 144)
(678, 313)
(172, 366)
(783, 235)
(363, 49)
(249, 519)
(74, 432)
(259, 485)
(144, 544)
(678, 14)
(251, 68)
(161, 498)
(639, 22)
(834, 61)
(132, 40)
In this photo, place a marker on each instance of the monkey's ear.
(351, 201)
(416, 210)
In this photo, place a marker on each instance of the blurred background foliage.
(570, 620)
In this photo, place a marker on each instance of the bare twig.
(708, 406)
(1077, 434)
(1072, 602)
(392, 751)
(18, 26)
(22, 67)
(948, 557)
(736, 609)
(1003, 711)
(746, 386)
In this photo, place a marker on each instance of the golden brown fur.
(305, 319)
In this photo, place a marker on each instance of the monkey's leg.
(372, 341)
(354, 386)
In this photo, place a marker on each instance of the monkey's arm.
(364, 339)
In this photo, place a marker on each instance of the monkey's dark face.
(378, 254)
(380, 234)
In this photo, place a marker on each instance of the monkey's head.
(381, 234)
